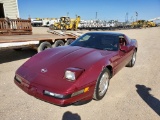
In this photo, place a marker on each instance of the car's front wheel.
(102, 85)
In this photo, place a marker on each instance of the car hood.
(48, 68)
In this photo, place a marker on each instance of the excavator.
(66, 23)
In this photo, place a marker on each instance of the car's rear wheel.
(102, 84)
(133, 60)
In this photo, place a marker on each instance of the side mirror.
(124, 48)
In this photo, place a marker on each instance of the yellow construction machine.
(151, 24)
(142, 24)
(66, 23)
(138, 24)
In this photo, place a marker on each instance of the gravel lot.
(134, 93)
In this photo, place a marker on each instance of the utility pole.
(136, 16)
(126, 17)
(67, 14)
(96, 15)
(132, 19)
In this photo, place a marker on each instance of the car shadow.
(9, 55)
(153, 102)
(70, 116)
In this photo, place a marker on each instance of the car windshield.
(100, 41)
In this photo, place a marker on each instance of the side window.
(85, 38)
(122, 41)
(128, 40)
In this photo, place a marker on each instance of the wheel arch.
(110, 68)
(136, 49)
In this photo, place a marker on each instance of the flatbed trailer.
(39, 42)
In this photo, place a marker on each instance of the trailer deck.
(17, 33)
(35, 37)
(34, 41)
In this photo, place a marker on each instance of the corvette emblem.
(44, 70)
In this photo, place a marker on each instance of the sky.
(89, 9)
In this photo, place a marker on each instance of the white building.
(9, 8)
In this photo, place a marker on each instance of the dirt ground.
(133, 94)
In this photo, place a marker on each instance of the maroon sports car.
(78, 72)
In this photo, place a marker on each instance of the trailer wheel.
(69, 41)
(58, 43)
(44, 46)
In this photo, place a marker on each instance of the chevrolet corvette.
(78, 72)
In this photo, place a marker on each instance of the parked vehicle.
(36, 22)
(142, 24)
(66, 23)
(38, 42)
(17, 33)
(77, 72)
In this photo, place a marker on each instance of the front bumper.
(38, 92)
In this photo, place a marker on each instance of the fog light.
(86, 89)
(48, 93)
(77, 93)
(18, 79)
(80, 91)
(53, 94)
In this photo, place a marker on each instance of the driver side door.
(123, 56)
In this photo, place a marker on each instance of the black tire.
(69, 41)
(132, 61)
(44, 46)
(98, 94)
(58, 43)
